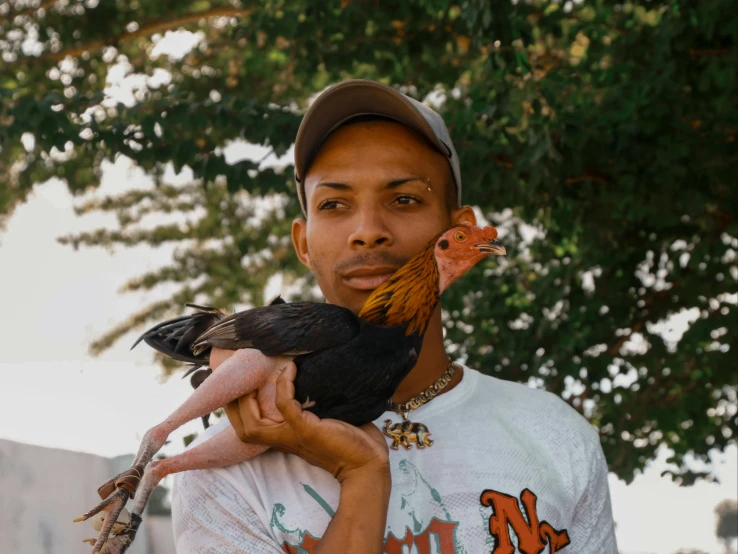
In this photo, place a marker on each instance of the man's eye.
(328, 205)
(406, 200)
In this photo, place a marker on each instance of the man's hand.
(342, 449)
(358, 457)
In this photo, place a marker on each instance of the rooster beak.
(492, 247)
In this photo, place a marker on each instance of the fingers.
(232, 410)
(251, 412)
(258, 429)
(285, 398)
(245, 417)
(250, 424)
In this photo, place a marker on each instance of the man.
(508, 468)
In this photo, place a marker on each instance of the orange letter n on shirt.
(532, 535)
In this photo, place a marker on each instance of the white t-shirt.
(512, 469)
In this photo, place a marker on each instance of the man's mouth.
(368, 278)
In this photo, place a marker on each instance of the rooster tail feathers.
(175, 337)
(178, 337)
(159, 326)
(207, 309)
(224, 330)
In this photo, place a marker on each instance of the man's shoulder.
(528, 406)
(516, 392)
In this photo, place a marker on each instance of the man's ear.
(299, 241)
(464, 214)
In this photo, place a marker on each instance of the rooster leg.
(240, 374)
(245, 371)
(222, 450)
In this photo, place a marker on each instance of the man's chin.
(354, 301)
(359, 304)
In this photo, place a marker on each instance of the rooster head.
(461, 248)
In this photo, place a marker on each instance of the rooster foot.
(114, 545)
(117, 544)
(108, 513)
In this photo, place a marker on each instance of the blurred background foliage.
(599, 136)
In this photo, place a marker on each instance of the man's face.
(375, 195)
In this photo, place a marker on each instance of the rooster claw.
(91, 541)
(115, 545)
(113, 505)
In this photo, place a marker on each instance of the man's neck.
(431, 364)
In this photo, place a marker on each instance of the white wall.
(43, 489)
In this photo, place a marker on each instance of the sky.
(54, 301)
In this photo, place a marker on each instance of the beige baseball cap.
(357, 97)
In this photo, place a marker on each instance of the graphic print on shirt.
(303, 540)
(424, 535)
(533, 535)
(421, 496)
(430, 528)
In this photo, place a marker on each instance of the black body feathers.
(347, 368)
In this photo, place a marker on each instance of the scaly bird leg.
(245, 371)
(222, 450)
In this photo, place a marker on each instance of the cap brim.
(348, 100)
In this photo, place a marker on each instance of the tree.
(608, 129)
(727, 523)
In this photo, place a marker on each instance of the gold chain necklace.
(408, 432)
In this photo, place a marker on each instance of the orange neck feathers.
(409, 296)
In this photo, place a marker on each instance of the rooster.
(348, 365)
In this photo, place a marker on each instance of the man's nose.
(370, 230)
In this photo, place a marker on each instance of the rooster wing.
(289, 329)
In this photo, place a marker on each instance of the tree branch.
(146, 29)
(28, 11)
